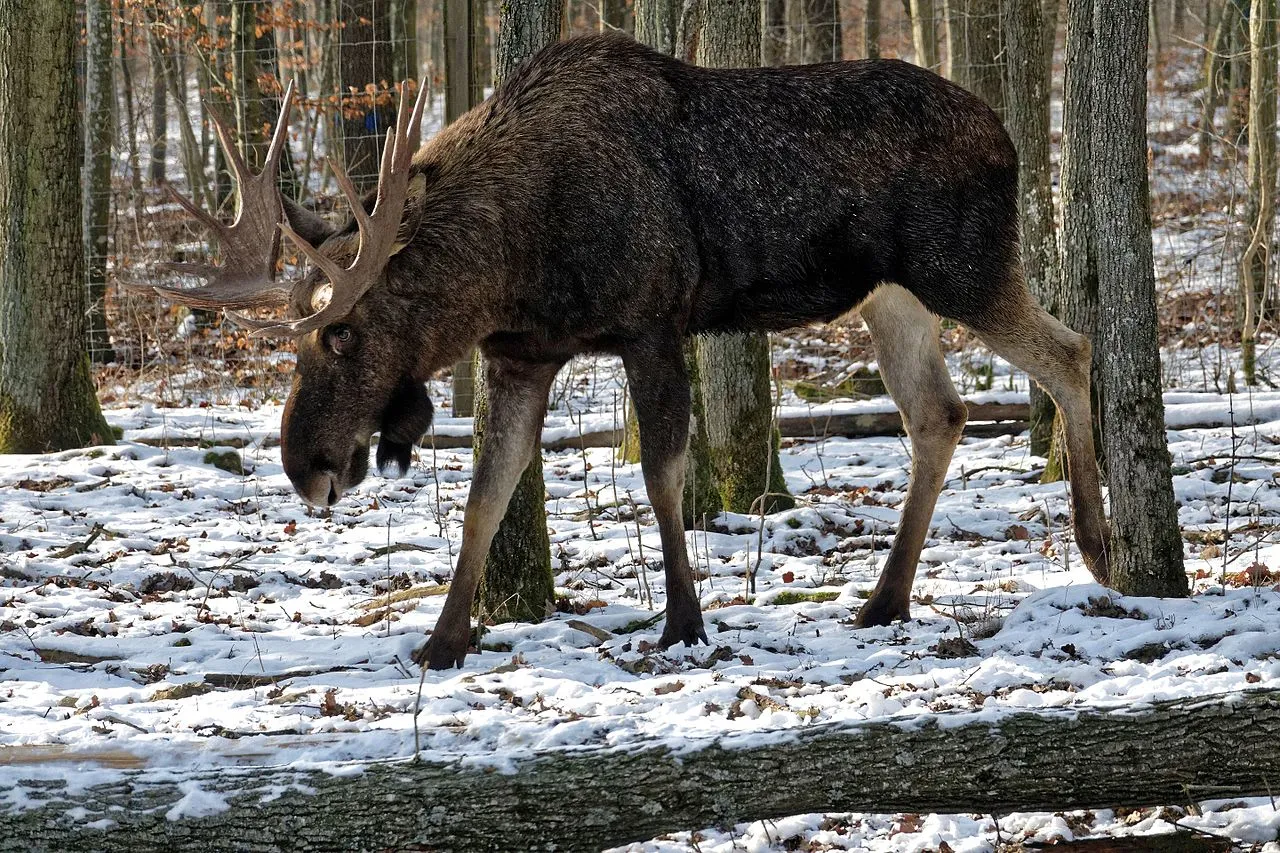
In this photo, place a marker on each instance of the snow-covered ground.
(212, 604)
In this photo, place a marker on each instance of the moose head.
(347, 324)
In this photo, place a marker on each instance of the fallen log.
(587, 799)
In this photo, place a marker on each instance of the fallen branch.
(587, 799)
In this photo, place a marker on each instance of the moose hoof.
(877, 612)
(687, 630)
(438, 653)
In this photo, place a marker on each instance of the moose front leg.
(660, 390)
(517, 403)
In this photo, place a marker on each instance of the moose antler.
(251, 244)
(378, 230)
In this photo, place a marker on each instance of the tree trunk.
(976, 54)
(924, 33)
(871, 30)
(100, 117)
(366, 60)
(404, 40)
(159, 110)
(774, 40)
(518, 584)
(1215, 79)
(1146, 546)
(1235, 16)
(584, 800)
(734, 369)
(656, 23)
(1027, 109)
(1255, 264)
(460, 96)
(47, 398)
(1078, 289)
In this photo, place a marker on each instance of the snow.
(213, 604)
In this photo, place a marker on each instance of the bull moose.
(608, 198)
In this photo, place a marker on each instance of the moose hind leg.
(659, 386)
(905, 335)
(517, 402)
(1058, 359)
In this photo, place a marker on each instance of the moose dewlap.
(608, 198)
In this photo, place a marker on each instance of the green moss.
(791, 596)
(863, 382)
(229, 461)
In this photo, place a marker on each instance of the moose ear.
(413, 206)
(310, 226)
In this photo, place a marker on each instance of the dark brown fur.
(610, 199)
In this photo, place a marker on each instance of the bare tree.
(518, 581)
(100, 120)
(1255, 264)
(924, 33)
(974, 49)
(366, 62)
(1146, 547)
(734, 369)
(1078, 288)
(1027, 116)
(871, 30)
(47, 397)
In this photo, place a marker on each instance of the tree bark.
(1027, 114)
(159, 111)
(586, 800)
(1078, 289)
(976, 55)
(366, 58)
(1255, 264)
(460, 96)
(656, 24)
(734, 369)
(100, 120)
(924, 33)
(518, 581)
(871, 30)
(47, 397)
(1146, 546)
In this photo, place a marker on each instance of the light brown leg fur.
(905, 334)
(1058, 358)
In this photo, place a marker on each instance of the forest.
(888, 590)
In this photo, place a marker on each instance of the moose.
(608, 198)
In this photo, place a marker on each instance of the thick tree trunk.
(1078, 290)
(100, 121)
(47, 398)
(976, 55)
(1255, 264)
(871, 30)
(366, 60)
(518, 581)
(586, 800)
(924, 33)
(734, 369)
(1027, 116)
(657, 22)
(1146, 547)
(159, 112)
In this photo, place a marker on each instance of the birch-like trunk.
(1255, 264)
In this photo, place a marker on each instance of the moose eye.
(341, 339)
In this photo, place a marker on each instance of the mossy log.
(588, 799)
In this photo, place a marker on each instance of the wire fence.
(173, 64)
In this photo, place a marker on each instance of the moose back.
(611, 199)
